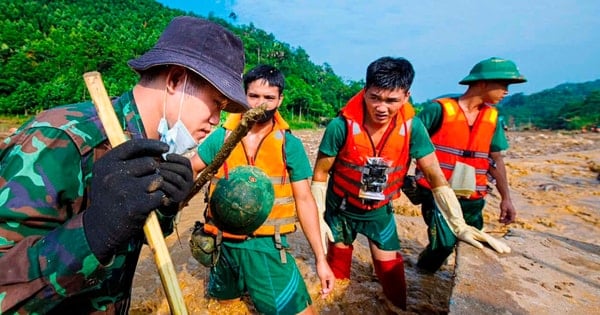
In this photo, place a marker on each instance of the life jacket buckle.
(468, 154)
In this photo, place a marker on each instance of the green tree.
(46, 46)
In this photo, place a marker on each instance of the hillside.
(555, 108)
(46, 46)
(566, 106)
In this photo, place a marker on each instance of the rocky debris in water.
(536, 278)
(594, 167)
(549, 187)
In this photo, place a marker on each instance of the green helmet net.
(494, 69)
(241, 203)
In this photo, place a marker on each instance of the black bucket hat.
(206, 48)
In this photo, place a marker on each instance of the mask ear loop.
(165, 105)
(163, 123)
(178, 215)
(182, 96)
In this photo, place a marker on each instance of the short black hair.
(390, 73)
(268, 73)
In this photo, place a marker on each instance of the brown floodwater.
(550, 180)
(427, 293)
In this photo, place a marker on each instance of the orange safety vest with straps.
(270, 157)
(456, 141)
(351, 160)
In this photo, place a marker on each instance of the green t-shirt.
(297, 164)
(431, 116)
(335, 136)
(297, 161)
(333, 140)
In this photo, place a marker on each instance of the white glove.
(446, 201)
(319, 191)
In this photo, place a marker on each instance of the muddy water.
(428, 294)
(549, 176)
(362, 295)
(556, 180)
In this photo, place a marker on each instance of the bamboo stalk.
(246, 123)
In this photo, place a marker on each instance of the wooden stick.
(248, 120)
(152, 229)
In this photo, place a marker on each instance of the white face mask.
(177, 137)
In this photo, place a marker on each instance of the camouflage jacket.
(46, 265)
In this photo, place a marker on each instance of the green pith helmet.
(494, 69)
(241, 203)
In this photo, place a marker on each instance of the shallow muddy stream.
(550, 179)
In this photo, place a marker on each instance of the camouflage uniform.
(46, 264)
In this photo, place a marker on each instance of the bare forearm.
(322, 166)
(306, 209)
(309, 221)
(430, 167)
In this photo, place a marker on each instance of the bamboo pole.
(246, 123)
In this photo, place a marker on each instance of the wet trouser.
(436, 252)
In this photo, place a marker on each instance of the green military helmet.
(241, 203)
(494, 69)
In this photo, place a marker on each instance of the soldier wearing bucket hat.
(205, 48)
(469, 141)
(70, 241)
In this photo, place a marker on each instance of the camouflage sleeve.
(44, 255)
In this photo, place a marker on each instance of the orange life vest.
(352, 157)
(456, 141)
(270, 157)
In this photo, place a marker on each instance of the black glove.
(178, 181)
(412, 190)
(124, 189)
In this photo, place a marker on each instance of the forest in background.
(566, 106)
(46, 46)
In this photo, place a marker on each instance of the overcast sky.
(552, 42)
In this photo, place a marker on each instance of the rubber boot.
(392, 279)
(340, 260)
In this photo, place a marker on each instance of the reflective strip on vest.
(456, 141)
(463, 153)
(270, 157)
(347, 169)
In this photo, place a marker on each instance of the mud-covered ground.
(554, 267)
(554, 184)
(553, 180)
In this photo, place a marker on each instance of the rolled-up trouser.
(441, 238)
